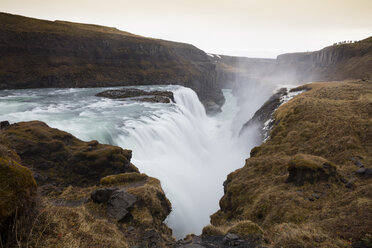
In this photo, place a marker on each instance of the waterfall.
(189, 152)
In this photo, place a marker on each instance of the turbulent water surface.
(179, 144)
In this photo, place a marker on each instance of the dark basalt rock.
(139, 95)
(4, 124)
(206, 241)
(102, 195)
(119, 203)
(364, 172)
(300, 175)
(265, 113)
(312, 169)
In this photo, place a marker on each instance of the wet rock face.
(58, 158)
(139, 95)
(60, 54)
(264, 114)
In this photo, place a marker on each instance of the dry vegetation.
(63, 214)
(321, 136)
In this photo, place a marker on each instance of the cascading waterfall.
(191, 154)
(188, 151)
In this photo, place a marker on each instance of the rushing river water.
(190, 152)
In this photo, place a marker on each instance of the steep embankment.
(89, 194)
(37, 54)
(310, 184)
(337, 62)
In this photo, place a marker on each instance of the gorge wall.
(337, 62)
(39, 54)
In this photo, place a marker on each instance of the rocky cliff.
(37, 54)
(88, 194)
(309, 184)
(337, 62)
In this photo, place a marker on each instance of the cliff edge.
(309, 184)
(38, 54)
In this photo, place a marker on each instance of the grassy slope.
(330, 122)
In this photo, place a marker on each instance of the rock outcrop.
(265, 114)
(39, 54)
(139, 95)
(59, 158)
(304, 186)
(82, 200)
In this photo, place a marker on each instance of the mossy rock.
(60, 158)
(255, 150)
(17, 188)
(151, 202)
(123, 178)
(309, 168)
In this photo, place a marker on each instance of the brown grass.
(123, 179)
(70, 227)
(330, 123)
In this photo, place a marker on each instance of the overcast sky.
(253, 28)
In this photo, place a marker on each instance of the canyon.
(286, 146)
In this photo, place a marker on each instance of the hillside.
(38, 54)
(310, 184)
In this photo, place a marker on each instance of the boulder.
(308, 168)
(102, 195)
(4, 124)
(139, 95)
(119, 203)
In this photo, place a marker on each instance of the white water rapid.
(188, 151)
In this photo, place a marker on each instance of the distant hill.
(37, 53)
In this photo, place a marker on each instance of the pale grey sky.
(253, 28)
